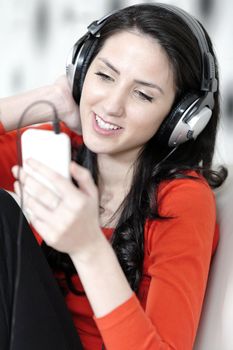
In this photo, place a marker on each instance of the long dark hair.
(150, 168)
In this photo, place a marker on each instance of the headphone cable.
(56, 128)
(154, 173)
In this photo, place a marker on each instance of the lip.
(105, 132)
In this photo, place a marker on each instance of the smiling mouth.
(105, 126)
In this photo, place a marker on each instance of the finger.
(50, 225)
(62, 187)
(47, 233)
(34, 203)
(18, 188)
(42, 228)
(83, 178)
(55, 220)
(51, 178)
(38, 209)
(42, 194)
(37, 190)
(17, 171)
(23, 176)
(43, 169)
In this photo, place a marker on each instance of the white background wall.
(36, 36)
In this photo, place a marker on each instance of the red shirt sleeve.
(179, 252)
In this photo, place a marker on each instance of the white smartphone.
(53, 150)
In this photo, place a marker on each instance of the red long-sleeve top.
(165, 313)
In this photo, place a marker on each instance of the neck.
(115, 178)
(114, 183)
(114, 174)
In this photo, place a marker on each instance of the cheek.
(157, 116)
(151, 129)
(86, 99)
(91, 94)
(149, 121)
(84, 94)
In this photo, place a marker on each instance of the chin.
(94, 146)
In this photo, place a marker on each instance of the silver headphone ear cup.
(190, 129)
(176, 114)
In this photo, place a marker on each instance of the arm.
(177, 258)
(11, 108)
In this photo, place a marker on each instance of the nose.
(115, 103)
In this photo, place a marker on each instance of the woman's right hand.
(70, 114)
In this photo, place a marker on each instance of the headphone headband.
(208, 82)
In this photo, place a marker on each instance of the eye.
(144, 96)
(104, 76)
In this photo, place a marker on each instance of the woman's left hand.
(68, 110)
(67, 218)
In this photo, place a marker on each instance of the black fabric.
(42, 319)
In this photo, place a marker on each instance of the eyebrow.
(141, 82)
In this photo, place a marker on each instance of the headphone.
(191, 114)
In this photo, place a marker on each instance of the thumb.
(83, 178)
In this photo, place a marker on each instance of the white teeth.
(104, 125)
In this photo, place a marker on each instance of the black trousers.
(42, 321)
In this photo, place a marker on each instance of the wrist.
(68, 110)
(88, 253)
(102, 278)
(61, 100)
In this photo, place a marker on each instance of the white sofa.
(216, 326)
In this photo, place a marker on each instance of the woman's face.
(128, 91)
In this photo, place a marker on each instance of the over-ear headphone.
(190, 116)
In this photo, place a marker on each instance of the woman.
(155, 206)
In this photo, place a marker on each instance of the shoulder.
(178, 196)
(188, 210)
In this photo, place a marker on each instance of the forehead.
(134, 52)
(134, 41)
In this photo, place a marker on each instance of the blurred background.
(37, 35)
